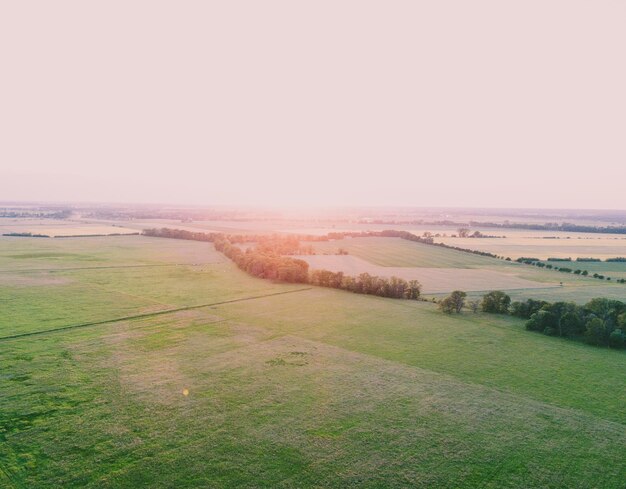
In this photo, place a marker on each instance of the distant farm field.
(59, 228)
(396, 252)
(156, 363)
(593, 246)
(433, 280)
(442, 270)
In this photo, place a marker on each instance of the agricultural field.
(520, 244)
(156, 363)
(441, 270)
(433, 280)
(60, 228)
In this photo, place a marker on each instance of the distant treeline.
(27, 235)
(266, 263)
(96, 235)
(290, 241)
(31, 235)
(260, 238)
(585, 273)
(269, 248)
(550, 226)
(268, 259)
(62, 214)
(567, 227)
(600, 322)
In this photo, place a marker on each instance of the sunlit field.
(516, 245)
(134, 361)
(60, 228)
(312, 245)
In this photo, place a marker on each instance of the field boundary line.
(147, 314)
(104, 267)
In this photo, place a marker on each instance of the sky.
(292, 103)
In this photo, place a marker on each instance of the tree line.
(568, 227)
(600, 322)
(268, 258)
(585, 273)
(264, 263)
(393, 287)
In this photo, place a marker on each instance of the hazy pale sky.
(460, 103)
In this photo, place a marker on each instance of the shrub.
(617, 339)
(454, 302)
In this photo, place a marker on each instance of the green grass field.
(396, 252)
(311, 388)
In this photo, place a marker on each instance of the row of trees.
(495, 302)
(265, 264)
(554, 227)
(181, 234)
(284, 244)
(365, 283)
(27, 235)
(585, 273)
(284, 240)
(269, 259)
(265, 261)
(600, 322)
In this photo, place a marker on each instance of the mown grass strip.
(146, 315)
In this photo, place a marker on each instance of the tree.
(414, 290)
(571, 324)
(541, 320)
(606, 308)
(527, 308)
(454, 302)
(473, 306)
(617, 339)
(446, 305)
(596, 332)
(496, 302)
(463, 232)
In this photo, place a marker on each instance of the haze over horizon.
(332, 103)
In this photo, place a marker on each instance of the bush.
(454, 302)
(617, 339)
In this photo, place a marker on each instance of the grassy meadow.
(284, 386)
